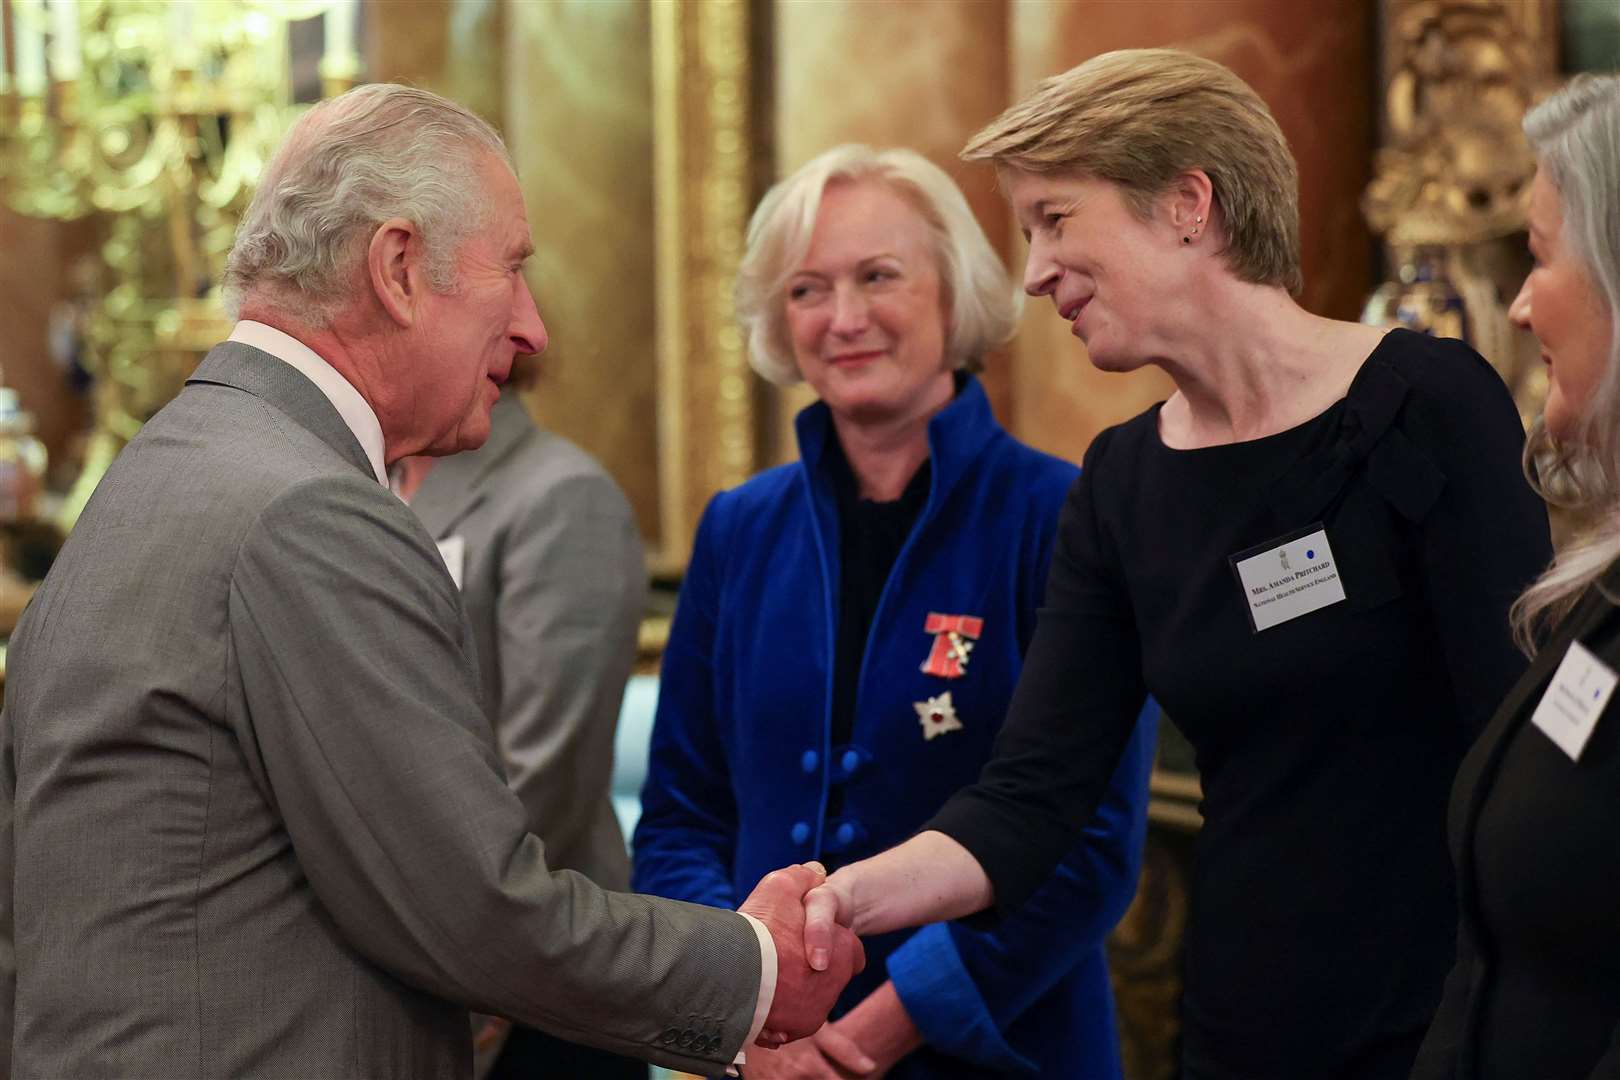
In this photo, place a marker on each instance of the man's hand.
(826, 1055)
(803, 996)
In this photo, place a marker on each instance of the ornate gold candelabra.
(1454, 173)
(159, 117)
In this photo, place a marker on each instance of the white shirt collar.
(354, 410)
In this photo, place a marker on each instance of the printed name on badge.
(1288, 579)
(1570, 708)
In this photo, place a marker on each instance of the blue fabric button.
(846, 833)
(809, 761)
(801, 832)
(851, 762)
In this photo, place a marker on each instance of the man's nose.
(528, 332)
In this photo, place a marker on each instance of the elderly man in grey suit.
(549, 560)
(251, 820)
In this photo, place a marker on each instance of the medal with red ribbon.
(954, 637)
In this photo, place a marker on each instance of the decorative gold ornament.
(1452, 181)
(704, 156)
(159, 116)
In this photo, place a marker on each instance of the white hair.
(983, 301)
(377, 152)
(1575, 134)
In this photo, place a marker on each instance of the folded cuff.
(945, 1004)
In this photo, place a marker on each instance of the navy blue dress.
(1323, 913)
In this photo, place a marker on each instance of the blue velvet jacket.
(740, 767)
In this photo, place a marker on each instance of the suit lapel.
(453, 488)
(1475, 783)
(1593, 607)
(280, 384)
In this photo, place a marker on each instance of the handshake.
(814, 962)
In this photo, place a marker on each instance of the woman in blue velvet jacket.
(851, 628)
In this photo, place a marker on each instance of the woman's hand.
(929, 878)
(492, 1029)
(827, 1055)
(881, 1027)
(826, 907)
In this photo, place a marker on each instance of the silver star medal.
(937, 715)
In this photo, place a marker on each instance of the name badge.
(1284, 580)
(1570, 708)
(453, 550)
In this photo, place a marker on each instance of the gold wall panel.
(452, 47)
(1313, 64)
(36, 257)
(569, 84)
(578, 107)
(407, 42)
(705, 100)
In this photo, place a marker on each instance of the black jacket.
(1536, 841)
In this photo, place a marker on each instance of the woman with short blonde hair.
(1306, 554)
(1138, 119)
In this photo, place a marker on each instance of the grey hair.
(377, 152)
(1575, 134)
(984, 302)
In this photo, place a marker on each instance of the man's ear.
(394, 264)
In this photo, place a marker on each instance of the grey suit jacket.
(251, 823)
(554, 583)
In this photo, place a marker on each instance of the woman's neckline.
(1239, 445)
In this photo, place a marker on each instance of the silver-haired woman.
(1536, 807)
(1306, 554)
(851, 627)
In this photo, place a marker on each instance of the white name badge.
(1570, 708)
(1294, 578)
(453, 550)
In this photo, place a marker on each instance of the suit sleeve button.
(846, 833)
(800, 832)
(809, 761)
(851, 762)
